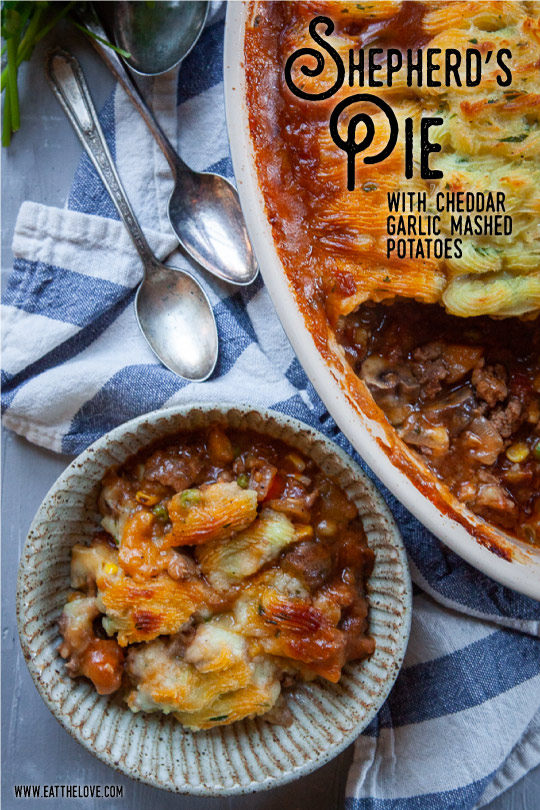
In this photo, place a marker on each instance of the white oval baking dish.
(506, 560)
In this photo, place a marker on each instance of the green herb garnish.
(487, 251)
(24, 24)
(515, 138)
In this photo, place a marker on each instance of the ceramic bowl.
(249, 755)
(498, 555)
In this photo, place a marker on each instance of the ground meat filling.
(465, 394)
(490, 383)
(507, 420)
(229, 562)
(310, 560)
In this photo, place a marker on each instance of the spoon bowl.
(204, 214)
(158, 35)
(172, 311)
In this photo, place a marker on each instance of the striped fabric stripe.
(466, 796)
(64, 295)
(481, 670)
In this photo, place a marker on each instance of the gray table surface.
(39, 166)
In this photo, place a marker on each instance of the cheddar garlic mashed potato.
(490, 138)
(228, 566)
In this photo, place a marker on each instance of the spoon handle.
(69, 86)
(124, 76)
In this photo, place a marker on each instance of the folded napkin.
(463, 721)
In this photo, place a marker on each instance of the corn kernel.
(110, 568)
(517, 452)
(533, 413)
(302, 479)
(327, 528)
(145, 499)
(303, 532)
(361, 336)
(297, 461)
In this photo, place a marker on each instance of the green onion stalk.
(23, 25)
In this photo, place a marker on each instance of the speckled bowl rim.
(223, 409)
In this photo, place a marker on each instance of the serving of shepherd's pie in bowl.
(205, 585)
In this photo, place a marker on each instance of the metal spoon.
(204, 209)
(172, 310)
(158, 36)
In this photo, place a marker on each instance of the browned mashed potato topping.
(228, 566)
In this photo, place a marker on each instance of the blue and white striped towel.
(463, 721)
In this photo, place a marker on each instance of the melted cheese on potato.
(215, 512)
(214, 683)
(229, 561)
(141, 611)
